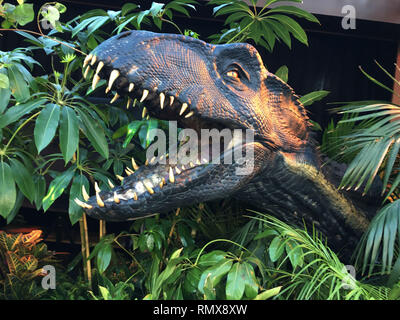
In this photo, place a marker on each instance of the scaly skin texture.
(221, 86)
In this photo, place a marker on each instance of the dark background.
(331, 62)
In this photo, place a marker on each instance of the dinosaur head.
(202, 87)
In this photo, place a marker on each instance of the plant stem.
(19, 128)
(85, 249)
(241, 31)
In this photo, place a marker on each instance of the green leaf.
(46, 126)
(295, 253)
(312, 97)
(283, 73)
(214, 274)
(4, 82)
(250, 281)
(8, 193)
(18, 86)
(268, 294)
(40, 184)
(57, 187)
(5, 95)
(69, 133)
(95, 133)
(235, 282)
(293, 27)
(295, 11)
(24, 179)
(24, 13)
(103, 258)
(75, 211)
(130, 130)
(16, 112)
(276, 248)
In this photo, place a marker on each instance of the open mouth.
(162, 175)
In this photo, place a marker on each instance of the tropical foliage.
(50, 119)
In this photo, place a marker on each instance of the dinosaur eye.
(233, 74)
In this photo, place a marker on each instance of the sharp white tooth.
(162, 98)
(128, 172)
(148, 186)
(189, 114)
(146, 163)
(116, 199)
(99, 67)
(86, 72)
(87, 59)
(171, 175)
(92, 62)
(191, 164)
(171, 100)
(145, 94)
(84, 193)
(134, 165)
(135, 196)
(119, 178)
(115, 98)
(183, 168)
(113, 76)
(177, 170)
(99, 200)
(161, 184)
(128, 103)
(153, 160)
(144, 112)
(110, 184)
(96, 187)
(82, 204)
(183, 108)
(107, 90)
(131, 87)
(198, 162)
(95, 81)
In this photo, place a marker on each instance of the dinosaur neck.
(297, 192)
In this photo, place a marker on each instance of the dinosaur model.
(201, 85)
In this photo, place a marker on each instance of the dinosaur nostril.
(126, 34)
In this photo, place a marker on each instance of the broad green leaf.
(103, 258)
(295, 11)
(215, 274)
(24, 13)
(292, 26)
(69, 133)
(283, 73)
(130, 130)
(250, 281)
(46, 126)
(212, 258)
(57, 187)
(276, 248)
(40, 193)
(95, 133)
(75, 211)
(4, 82)
(295, 253)
(24, 179)
(312, 97)
(18, 86)
(235, 282)
(5, 95)
(268, 294)
(8, 192)
(16, 112)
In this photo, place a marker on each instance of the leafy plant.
(369, 140)
(264, 26)
(22, 259)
